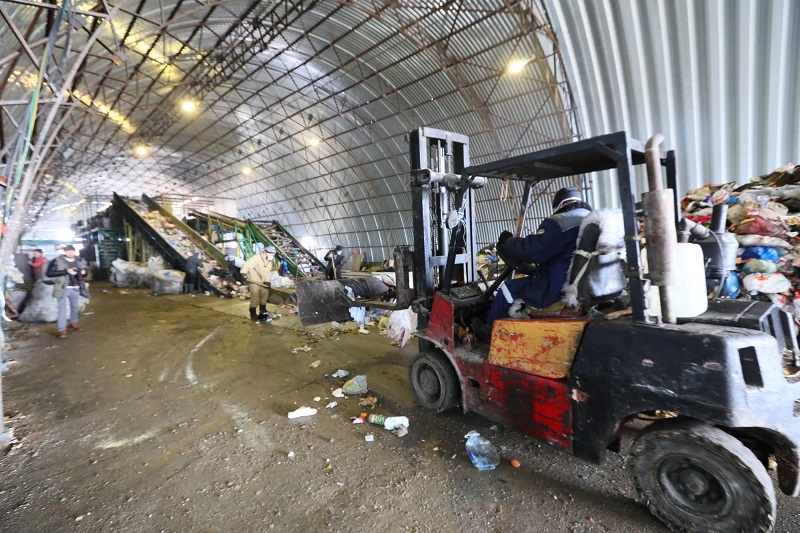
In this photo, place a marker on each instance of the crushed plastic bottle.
(481, 452)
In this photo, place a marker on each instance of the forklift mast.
(443, 213)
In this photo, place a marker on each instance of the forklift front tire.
(695, 477)
(434, 382)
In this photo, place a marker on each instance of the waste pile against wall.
(765, 216)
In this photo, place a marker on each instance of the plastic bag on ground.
(357, 385)
(401, 325)
(167, 282)
(760, 240)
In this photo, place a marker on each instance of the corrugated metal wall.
(720, 78)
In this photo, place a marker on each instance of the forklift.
(574, 379)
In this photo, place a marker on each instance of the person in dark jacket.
(67, 271)
(193, 265)
(335, 259)
(551, 248)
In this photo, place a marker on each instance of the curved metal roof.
(270, 77)
(718, 78)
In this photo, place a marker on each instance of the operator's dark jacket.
(551, 247)
(334, 266)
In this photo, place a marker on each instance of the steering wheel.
(522, 268)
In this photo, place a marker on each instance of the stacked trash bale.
(765, 216)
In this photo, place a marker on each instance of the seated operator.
(551, 248)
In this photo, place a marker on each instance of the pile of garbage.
(765, 217)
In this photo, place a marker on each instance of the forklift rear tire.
(695, 477)
(434, 382)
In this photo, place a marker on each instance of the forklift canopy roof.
(589, 155)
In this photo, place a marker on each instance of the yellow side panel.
(542, 347)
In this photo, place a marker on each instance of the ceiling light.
(314, 142)
(246, 170)
(189, 106)
(141, 150)
(515, 67)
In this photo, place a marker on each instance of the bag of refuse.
(155, 263)
(764, 253)
(167, 282)
(767, 283)
(760, 240)
(125, 273)
(759, 225)
(357, 385)
(42, 307)
(759, 266)
(401, 324)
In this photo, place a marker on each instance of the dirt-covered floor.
(169, 414)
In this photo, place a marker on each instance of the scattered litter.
(290, 455)
(89, 313)
(369, 438)
(357, 385)
(401, 431)
(454, 456)
(317, 398)
(301, 349)
(340, 374)
(394, 422)
(338, 393)
(369, 401)
(357, 419)
(303, 411)
(104, 291)
(331, 405)
(481, 452)
(515, 463)
(334, 324)
(128, 375)
(315, 364)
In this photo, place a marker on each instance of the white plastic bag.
(401, 325)
(767, 283)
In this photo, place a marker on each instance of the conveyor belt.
(175, 259)
(301, 262)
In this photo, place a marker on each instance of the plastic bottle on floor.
(481, 452)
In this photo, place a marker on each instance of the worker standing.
(68, 272)
(36, 264)
(335, 259)
(193, 265)
(258, 270)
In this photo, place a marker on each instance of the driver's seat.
(597, 271)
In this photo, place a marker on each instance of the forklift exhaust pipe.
(659, 230)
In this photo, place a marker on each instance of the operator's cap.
(69, 247)
(567, 193)
(338, 247)
(39, 250)
(271, 249)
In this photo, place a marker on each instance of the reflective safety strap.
(507, 293)
(582, 271)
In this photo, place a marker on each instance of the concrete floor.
(169, 414)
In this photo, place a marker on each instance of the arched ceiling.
(718, 78)
(270, 78)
